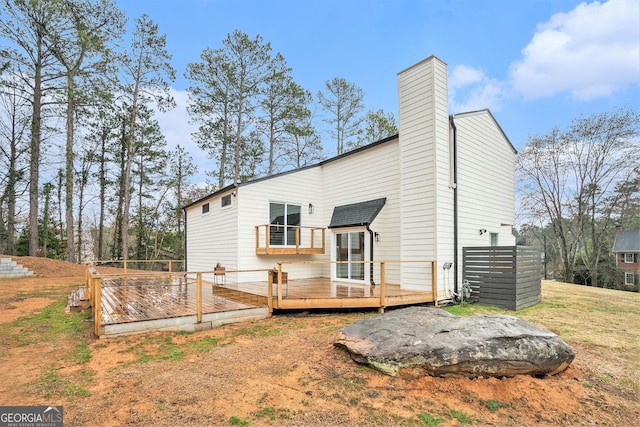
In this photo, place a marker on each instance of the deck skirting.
(185, 323)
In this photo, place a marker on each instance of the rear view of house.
(444, 182)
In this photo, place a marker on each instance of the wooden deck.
(124, 304)
(139, 299)
(323, 293)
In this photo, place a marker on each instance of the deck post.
(199, 296)
(91, 292)
(270, 291)
(434, 283)
(266, 238)
(97, 307)
(170, 266)
(125, 266)
(383, 297)
(257, 237)
(279, 283)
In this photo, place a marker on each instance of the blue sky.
(535, 63)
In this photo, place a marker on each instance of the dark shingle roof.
(627, 241)
(362, 213)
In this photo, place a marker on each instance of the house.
(444, 182)
(626, 248)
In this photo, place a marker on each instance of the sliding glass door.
(350, 248)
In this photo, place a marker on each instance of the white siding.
(424, 159)
(301, 187)
(211, 237)
(486, 183)
(368, 175)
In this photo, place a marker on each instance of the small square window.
(205, 208)
(225, 201)
(629, 258)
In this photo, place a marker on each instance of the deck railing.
(432, 272)
(276, 285)
(170, 265)
(286, 240)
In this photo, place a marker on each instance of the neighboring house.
(444, 182)
(626, 248)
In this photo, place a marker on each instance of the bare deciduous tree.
(570, 179)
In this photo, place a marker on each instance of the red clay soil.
(281, 371)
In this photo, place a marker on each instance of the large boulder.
(418, 341)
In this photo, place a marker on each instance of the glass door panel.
(342, 254)
(349, 248)
(357, 254)
(293, 222)
(276, 219)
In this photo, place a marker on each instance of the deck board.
(149, 298)
(140, 301)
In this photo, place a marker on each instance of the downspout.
(373, 283)
(185, 239)
(454, 185)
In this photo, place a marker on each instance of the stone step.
(11, 269)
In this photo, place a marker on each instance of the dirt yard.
(285, 371)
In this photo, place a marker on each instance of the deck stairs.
(10, 269)
(79, 299)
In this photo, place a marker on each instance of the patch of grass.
(268, 412)
(174, 355)
(51, 385)
(49, 325)
(587, 384)
(493, 405)
(473, 309)
(204, 345)
(427, 420)
(260, 330)
(237, 421)
(354, 401)
(461, 416)
(82, 353)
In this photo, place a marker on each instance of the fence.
(504, 276)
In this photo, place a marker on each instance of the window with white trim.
(225, 201)
(629, 258)
(205, 208)
(629, 279)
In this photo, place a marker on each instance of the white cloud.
(470, 89)
(463, 75)
(590, 52)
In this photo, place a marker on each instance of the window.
(629, 279)
(494, 239)
(225, 201)
(205, 208)
(630, 258)
(285, 220)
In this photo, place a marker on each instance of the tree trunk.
(34, 166)
(71, 253)
(103, 184)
